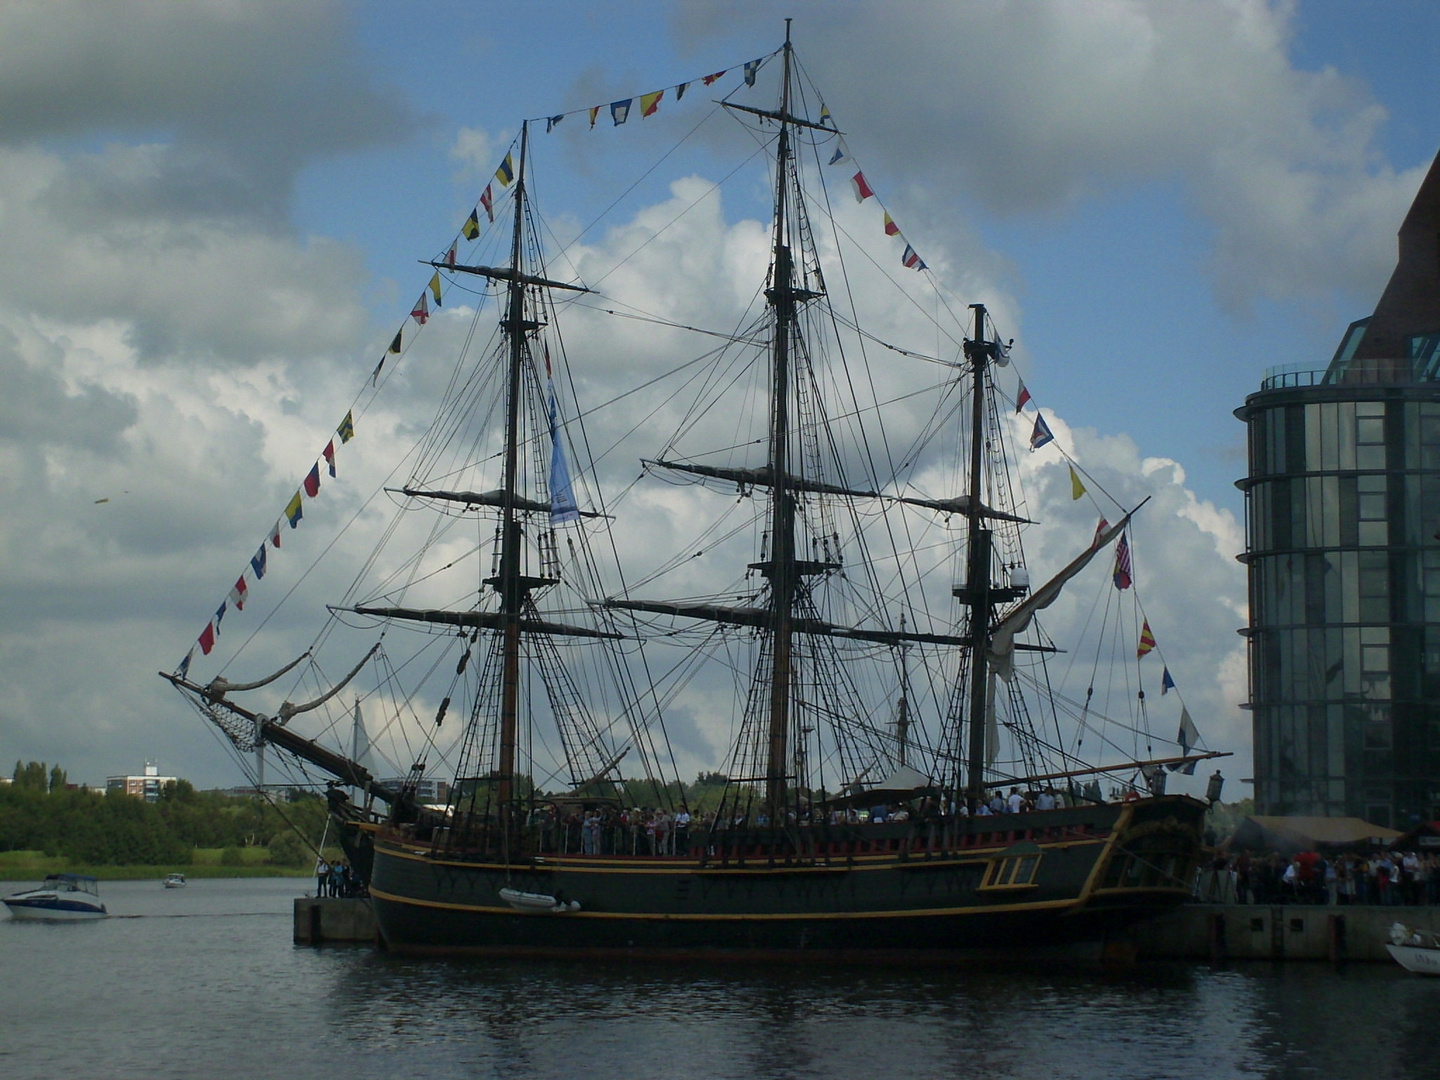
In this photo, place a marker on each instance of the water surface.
(204, 981)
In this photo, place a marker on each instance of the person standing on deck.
(682, 831)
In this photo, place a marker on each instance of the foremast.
(515, 615)
(509, 583)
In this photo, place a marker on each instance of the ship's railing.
(807, 839)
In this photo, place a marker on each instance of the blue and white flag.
(562, 495)
(1189, 735)
(1041, 434)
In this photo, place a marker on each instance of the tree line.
(40, 812)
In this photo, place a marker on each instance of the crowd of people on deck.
(1018, 802)
(1309, 877)
(616, 830)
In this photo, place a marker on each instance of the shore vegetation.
(49, 826)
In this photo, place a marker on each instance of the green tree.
(654, 793)
(706, 792)
(111, 829)
(179, 791)
(31, 777)
(22, 814)
(58, 779)
(289, 849)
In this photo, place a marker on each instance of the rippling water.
(205, 982)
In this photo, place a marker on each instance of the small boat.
(1415, 950)
(174, 881)
(59, 897)
(537, 903)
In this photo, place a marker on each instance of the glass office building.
(1343, 549)
(1342, 508)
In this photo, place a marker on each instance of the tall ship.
(828, 579)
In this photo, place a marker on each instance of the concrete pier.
(326, 920)
(1218, 932)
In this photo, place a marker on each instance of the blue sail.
(562, 497)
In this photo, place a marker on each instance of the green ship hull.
(1011, 882)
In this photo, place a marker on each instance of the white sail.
(359, 739)
(1002, 642)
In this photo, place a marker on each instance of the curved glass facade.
(1342, 516)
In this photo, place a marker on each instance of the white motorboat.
(174, 881)
(60, 897)
(1415, 950)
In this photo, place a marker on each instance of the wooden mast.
(977, 578)
(782, 298)
(510, 583)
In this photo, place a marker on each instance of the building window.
(1429, 425)
(1370, 435)
(1378, 734)
(1374, 587)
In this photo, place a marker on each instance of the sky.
(213, 212)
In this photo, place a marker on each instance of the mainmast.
(781, 567)
(782, 611)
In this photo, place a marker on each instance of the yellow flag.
(650, 102)
(1076, 487)
(471, 228)
(294, 511)
(435, 287)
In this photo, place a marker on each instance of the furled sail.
(1002, 642)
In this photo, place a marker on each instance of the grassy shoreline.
(206, 863)
(145, 873)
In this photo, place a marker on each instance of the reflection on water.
(217, 989)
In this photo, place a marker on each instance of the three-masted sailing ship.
(838, 827)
